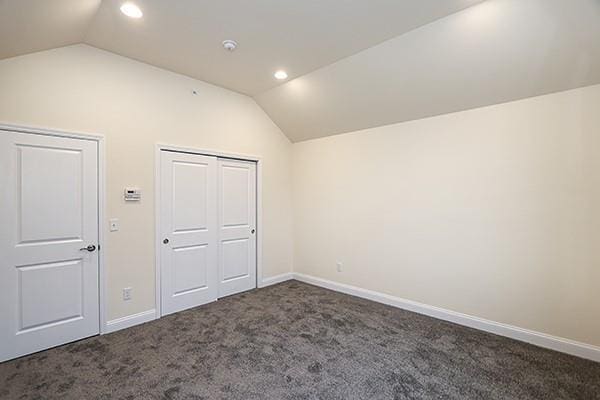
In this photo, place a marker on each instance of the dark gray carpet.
(296, 341)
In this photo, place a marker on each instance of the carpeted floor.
(296, 341)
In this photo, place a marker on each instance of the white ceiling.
(27, 26)
(497, 51)
(298, 36)
(357, 64)
(185, 35)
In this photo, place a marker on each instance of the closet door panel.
(189, 231)
(236, 226)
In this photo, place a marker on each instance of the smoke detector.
(229, 45)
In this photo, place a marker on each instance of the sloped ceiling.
(498, 51)
(185, 36)
(298, 36)
(352, 64)
(27, 26)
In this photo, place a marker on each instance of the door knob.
(166, 241)
(252, 231)
(89, 248)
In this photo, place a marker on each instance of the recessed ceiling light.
(131, 10)
(229, 45)
(281, 75)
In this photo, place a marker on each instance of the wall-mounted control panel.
(133, 194)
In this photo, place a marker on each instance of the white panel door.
(237, 226)
(48, 218)
(189, 231)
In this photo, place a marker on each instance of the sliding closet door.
(236, 226)
(189, 231)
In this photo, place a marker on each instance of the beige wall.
(493, 212)
(135, 106)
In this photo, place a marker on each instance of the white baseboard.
(129, 321)
(150, 315)
(273, 280)
(536, 338)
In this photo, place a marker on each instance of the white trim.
(157, 233)
(259, 224)
(102, 273)
(50, 132)
(102, 298)
(525, 335)
(208, 152)
(273, 280)
(130, 320)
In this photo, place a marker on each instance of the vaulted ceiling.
(494, 52)
(185, 36)
(352, 64)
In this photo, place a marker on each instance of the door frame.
(34, 130)
(157, 204)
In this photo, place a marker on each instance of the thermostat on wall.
(133, 194)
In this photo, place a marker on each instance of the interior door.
(189, 231)
(237, 226)
(48, 218)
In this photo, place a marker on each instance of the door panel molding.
(189, 229)
(159, 148)
(236, 205)
(37, 130)
(30, 265)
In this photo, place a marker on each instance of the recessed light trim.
(229, 45)
(280, 75)
(131, 10)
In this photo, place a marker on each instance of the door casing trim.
(34, 130)
(204, 152)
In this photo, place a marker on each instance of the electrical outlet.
(339, 266)
(127, 294)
